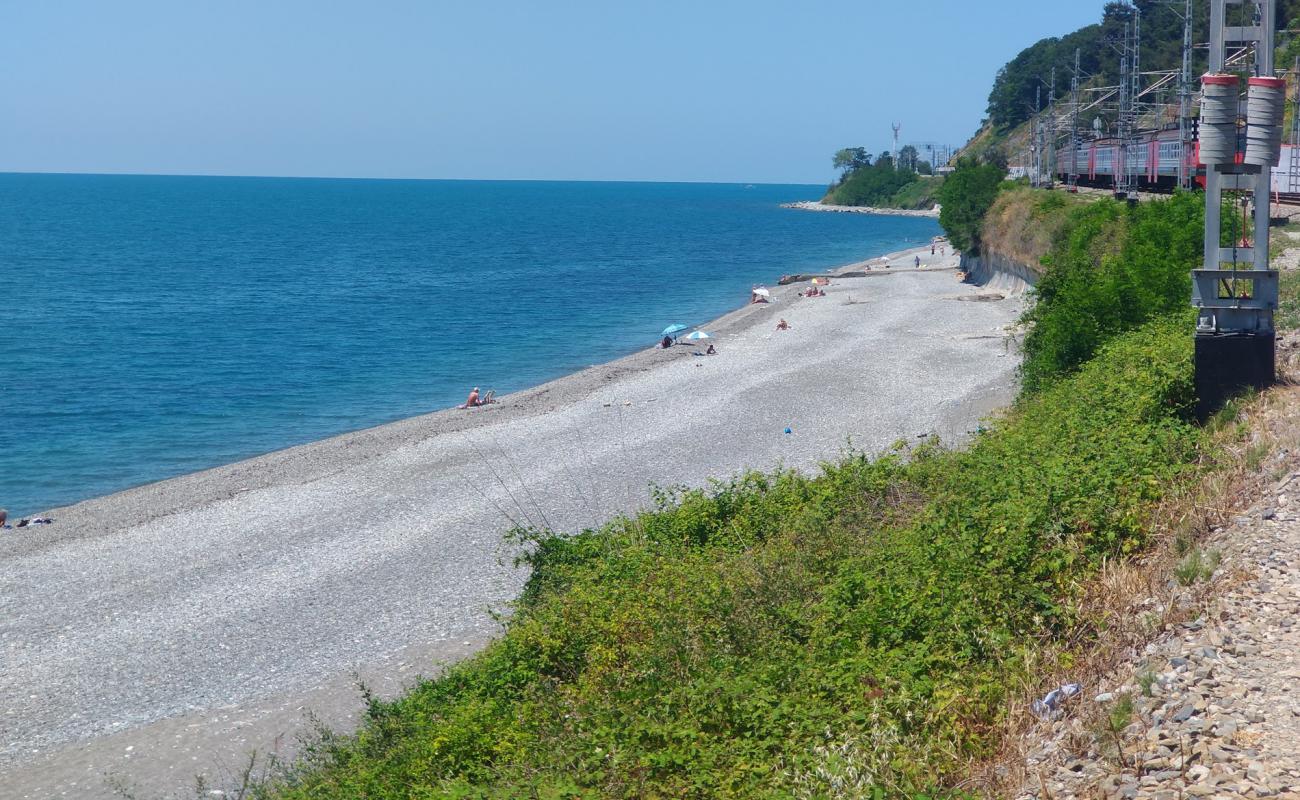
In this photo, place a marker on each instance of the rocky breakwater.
(813, 205)
(1211, 708)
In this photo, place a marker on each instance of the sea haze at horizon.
(159, 325)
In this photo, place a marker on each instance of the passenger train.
(1153, 159)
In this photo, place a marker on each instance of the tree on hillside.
(1011, 100)
(907, 158)
(851, 158)
(966, 197)
(871, 186)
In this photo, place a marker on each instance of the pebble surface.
(154, 632)
(1215, 700)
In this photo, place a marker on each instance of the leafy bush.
(1111, 269)
(966, 195)
(791, 636)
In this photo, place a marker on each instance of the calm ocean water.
(155, 326)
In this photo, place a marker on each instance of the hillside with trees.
(867, 180)
(1024, 82)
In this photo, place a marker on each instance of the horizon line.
(390, 178)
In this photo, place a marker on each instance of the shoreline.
(256, 588)
(817, 205)
(596, 374)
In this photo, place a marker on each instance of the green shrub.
(778, 635)
(1112, 269)
(873, 185)
(966, 196)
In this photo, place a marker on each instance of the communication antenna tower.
(897, 127)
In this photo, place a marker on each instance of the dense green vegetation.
(1112, 268)
(966, 197)
(883, 181)
(792, 636)
(1022, 80)
(1012, 98)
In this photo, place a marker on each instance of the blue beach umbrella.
(696, 336)
(674, 328)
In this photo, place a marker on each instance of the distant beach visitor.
(783, 325)
(711, 351)
(918, 262)
(4, 515)
(667, 342)
(475, 399)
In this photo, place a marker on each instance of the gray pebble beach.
(165, 631)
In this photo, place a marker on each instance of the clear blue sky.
(754, 90)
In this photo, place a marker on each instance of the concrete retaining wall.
(997, 272)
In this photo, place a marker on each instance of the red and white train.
(1153, 159)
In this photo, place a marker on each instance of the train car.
(1153, 158)
(1286, 175)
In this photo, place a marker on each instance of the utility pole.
(1293, 175)
(1075, 139)
(1234, 291)
(1185, 102)
(1035, 149)
(1051, 133)
(1125, 102)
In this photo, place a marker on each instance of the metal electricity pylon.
(1185, 101)
(1234, 291)
(1075, 140)
(1130, 86)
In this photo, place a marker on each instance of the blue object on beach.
(696, 336)
(674, 328)
(787, 430)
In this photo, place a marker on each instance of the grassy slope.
(782, 635)
(919, 193)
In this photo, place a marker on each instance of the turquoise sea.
(154, 326)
